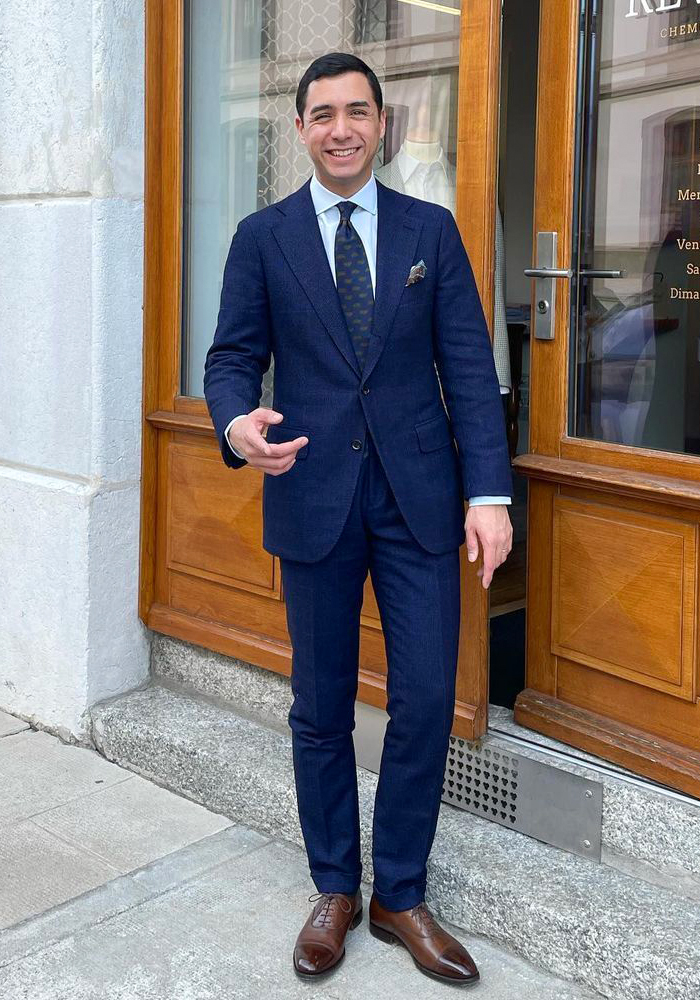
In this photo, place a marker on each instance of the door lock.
(545, 275)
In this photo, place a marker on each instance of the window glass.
(243, 62)
(637, 334)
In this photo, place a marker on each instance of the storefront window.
(243, 61)
(636, 327)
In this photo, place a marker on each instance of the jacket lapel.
(299, 239)
(397, 240)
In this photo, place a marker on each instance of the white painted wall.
(71, 231)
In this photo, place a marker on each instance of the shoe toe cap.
(456, 963)
(312, 959)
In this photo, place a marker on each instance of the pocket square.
(417, 273)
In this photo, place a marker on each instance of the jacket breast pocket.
(434, 433)
(276, 433)
(416, 295)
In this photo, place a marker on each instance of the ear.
(382, 123)
(300, 128)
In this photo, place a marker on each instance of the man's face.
(341, 129)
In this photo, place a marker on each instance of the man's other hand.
(246, 436)
(489, 524)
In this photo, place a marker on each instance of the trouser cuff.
(403, 900)
(337, 882)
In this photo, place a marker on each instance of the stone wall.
(71, 274)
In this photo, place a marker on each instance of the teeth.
(342, 152)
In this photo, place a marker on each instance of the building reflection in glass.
(637, 337)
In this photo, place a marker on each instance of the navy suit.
(379, 488)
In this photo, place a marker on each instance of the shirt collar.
(408, 164)
(324, 199)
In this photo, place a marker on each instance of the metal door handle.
(594, 273)
(547, 272)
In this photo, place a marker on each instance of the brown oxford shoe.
(320, 946)
(436, 952)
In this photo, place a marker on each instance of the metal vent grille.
(541, 800)
(485, 782)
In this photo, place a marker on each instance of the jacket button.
(356, 444)
(365, 390)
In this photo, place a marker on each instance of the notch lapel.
(397, 240)
(299, 239)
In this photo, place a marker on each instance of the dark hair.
(334, 64)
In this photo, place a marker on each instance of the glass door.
(613, 659)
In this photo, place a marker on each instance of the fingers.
(277, 458)
(490, 526)
(472, 543)
(491, 561)
(265, 415)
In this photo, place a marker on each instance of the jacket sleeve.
(240, 354)
(464, 360)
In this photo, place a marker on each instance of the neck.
(425, 151)
(345, 188)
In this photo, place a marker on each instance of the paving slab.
(226, 928)
(38, 870)
(131, 823)
(10, 724)
(39, 772)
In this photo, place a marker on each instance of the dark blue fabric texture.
(279, 299)
(354, 282)
(404, 419)
(418, 597)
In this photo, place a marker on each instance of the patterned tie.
(354, 281)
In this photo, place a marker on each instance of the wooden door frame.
(169, 417)
(559, 465)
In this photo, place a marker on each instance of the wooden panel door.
(205, 577)
(614, 463)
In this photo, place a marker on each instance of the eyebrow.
(329, 107)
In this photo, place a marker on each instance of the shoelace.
(324, 916)
(426, 918)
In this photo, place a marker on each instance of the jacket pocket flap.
(434, 433)
(277, 433)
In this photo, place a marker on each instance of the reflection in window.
(637, 337)
(243, 60)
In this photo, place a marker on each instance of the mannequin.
(420, 167)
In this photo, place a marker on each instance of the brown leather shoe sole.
(390, 938)
(331, 968)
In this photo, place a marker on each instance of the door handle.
(594, 273)
(547, 272)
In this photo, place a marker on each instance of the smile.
(342, 153)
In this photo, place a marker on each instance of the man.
(359, 293)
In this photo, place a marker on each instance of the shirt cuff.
(479, 501)
(228, 428)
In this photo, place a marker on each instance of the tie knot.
(346, 208)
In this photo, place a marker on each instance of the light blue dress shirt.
(364, 220)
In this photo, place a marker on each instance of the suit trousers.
(418, 595)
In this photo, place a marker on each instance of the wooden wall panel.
(623, 594)
(213, 524)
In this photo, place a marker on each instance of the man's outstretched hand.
(246, 436)
(489, 524)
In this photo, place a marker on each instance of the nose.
(341, 128)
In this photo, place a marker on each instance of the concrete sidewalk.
(113, 887)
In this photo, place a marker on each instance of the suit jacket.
(279, 299)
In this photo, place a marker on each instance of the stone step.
(584, 922)
(648, 831)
